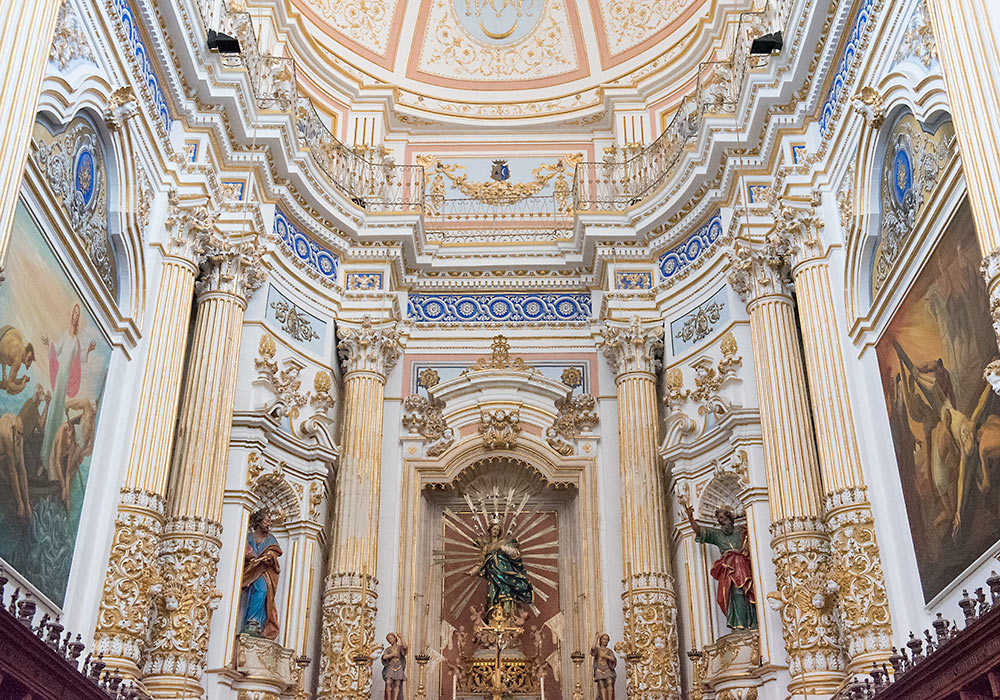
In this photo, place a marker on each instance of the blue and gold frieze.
(127, 19)
(364, 281)
(847, 60)
(499, 308)
(633, 279)
(680, 256)
(308, 251)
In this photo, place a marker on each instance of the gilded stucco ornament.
(294, 321)
(756, 272)
(188, 559)
(701, 323)
(189, 227)
(370, 348)
(500, 359)
(500, 428)
(857, 570)
(805, 600)
(322, 399)
(131, 579)
(231, 267)
(632, 348)
(69, 42)
(868, 103)
(426, 417)
(651, 629)
(346, 634)
(576, 414)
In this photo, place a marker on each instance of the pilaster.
(131, 575)
(369, 353)
(800, 541)
(649, 599)
(863, 607)
(188, 553)
(25, 42)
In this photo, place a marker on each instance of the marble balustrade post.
(131, 575)
(967, 40)
(799, 538)
(862, 604)
(188, 552)
(369, 353)
(649, 599)
(26, 30)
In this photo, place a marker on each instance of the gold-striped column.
(649, 598)
(188, 553)
(965, 33)
(131, 574)
(26, 30)
(857, 567)
(369, 354)
(800, 543)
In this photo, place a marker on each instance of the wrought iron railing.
(374, 182)
(629, 176)
(368, 177)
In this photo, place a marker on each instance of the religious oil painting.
(944, 418)
(53, 363)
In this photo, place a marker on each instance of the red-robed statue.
(732, 570)
(260, 577)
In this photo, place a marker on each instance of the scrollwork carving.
(651, 629)
(500, 428)
(805, 599)
(576, 415)
(229, 267)
(294, 322)
(427, 418)
(857, 571)
(342, 639)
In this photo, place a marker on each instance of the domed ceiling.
(505, 58)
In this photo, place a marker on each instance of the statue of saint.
(507, 582)
(260, 577)
(732, 570)
(604, 668)
(394, 667)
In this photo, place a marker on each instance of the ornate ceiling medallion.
(498, 22)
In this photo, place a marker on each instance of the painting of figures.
(53, 363)
(944, 418)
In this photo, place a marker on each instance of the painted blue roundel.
(902, 174)
(84, 176)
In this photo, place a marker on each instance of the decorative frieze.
(511, 307)
(305, 250)
(693, 247)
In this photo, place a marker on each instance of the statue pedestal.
(518, 675)
(731, 666)
(263, 665)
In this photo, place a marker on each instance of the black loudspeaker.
(223, 43)
(766, 45)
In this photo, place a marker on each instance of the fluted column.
(188, 553)
(800, 542)
(26, 30)
(649, 599)
(131, 574)
(966, 36)
(857, 567)
(369, 354)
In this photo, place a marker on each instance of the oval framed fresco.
(498, 22)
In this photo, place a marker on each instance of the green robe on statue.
(736, 595)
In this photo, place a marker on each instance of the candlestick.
(577, 657)
(421, 660)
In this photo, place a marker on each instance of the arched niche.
(559, 502)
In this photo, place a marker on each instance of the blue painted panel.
(498, 308)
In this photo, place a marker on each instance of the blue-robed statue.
(506, 580)
(260, 577)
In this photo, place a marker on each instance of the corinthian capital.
(632, 348)
(795, 236)
(758, 271)
(189, 228)
(230, 267)
(370, 348)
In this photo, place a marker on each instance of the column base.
(857, 570)
(805, 596)
(188, 560)
(343, 671)
(651, 633)
(130, 581)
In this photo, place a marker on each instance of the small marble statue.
(394, 667)
(260, 577)
(604, 668)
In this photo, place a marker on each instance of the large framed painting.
(53, 365)
(944, 418)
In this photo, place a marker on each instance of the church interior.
(500, 349)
